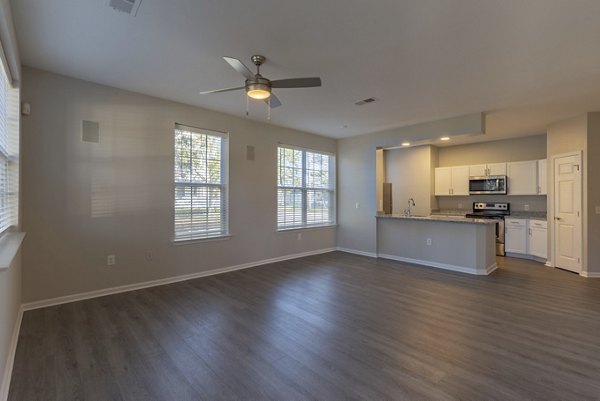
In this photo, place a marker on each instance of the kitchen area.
(458, 207)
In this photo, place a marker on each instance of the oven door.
(487, 185)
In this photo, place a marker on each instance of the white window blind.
(200, 183)
(9, 146)
(305, 188)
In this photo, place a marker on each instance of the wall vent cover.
(365, 101)
(126, 6)
(90, 131)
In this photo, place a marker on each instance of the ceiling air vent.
(365, 101)
(126, 6)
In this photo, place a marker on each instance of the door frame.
(550, 213)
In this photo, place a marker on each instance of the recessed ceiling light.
(445, 138)
(405, 143)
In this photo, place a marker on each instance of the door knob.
(557, 218)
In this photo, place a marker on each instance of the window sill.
(306, 228)
(180, 242)
(10, 243)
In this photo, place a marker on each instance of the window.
(200, 183)
(305, 188)
(9, 145)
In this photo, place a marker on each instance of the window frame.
(305, 189)
(9, 156)
(201, 236)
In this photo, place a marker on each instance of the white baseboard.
(590, 274)
(438, 265)
(169, 280)
(357, 252)
(10, 358)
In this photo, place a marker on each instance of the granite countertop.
(528, 215)
(448, 219)
(514, 214)
(450, 212)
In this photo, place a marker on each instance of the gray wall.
(509, 150)
(409, 171)
(83, 201)
(593, 194)
(564, 137)
(10, 302)
(356, 175)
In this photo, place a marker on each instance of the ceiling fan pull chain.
(246, 105)
(269, 109)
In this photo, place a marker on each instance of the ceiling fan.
(259, 87)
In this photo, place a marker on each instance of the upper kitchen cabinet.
(481, 170)
(542, 168)
(522, 178)
(452, 181)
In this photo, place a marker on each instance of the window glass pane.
(317, 170)
(289, 207)
(318, 207)
(290, 167)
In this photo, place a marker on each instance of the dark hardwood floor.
(327, 327)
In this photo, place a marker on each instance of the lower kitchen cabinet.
(516, 235)
(538, 238)
(526, 238)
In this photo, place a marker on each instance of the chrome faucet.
(410, 201)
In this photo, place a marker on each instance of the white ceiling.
(526, 63)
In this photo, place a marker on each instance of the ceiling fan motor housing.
(258, 88)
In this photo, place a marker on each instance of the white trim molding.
(357, 252)
(169, 280)
(590, 274)
(10, 358)
(461, 269)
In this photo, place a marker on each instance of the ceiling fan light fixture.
(258, 91)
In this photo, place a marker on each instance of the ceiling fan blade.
(222, 90)
(239, 67)
(274, 101)
(296, 83)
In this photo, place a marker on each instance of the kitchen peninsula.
(448, 242)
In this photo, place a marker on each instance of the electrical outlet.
(149, 256)
(110, 260)
(526, 208)
(299, 236)
(428, 241)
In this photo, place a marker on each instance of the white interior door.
(567, 212)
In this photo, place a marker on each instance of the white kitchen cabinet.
(443, 181)
(497, 169)
(451, 181)
(542, 169)
(522, 178)
(460, 180)
(516, 236)
(478, 170)
(482, 170)
(538, 238)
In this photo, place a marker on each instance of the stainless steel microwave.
(490, 184)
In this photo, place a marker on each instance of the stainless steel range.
(496, 211)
